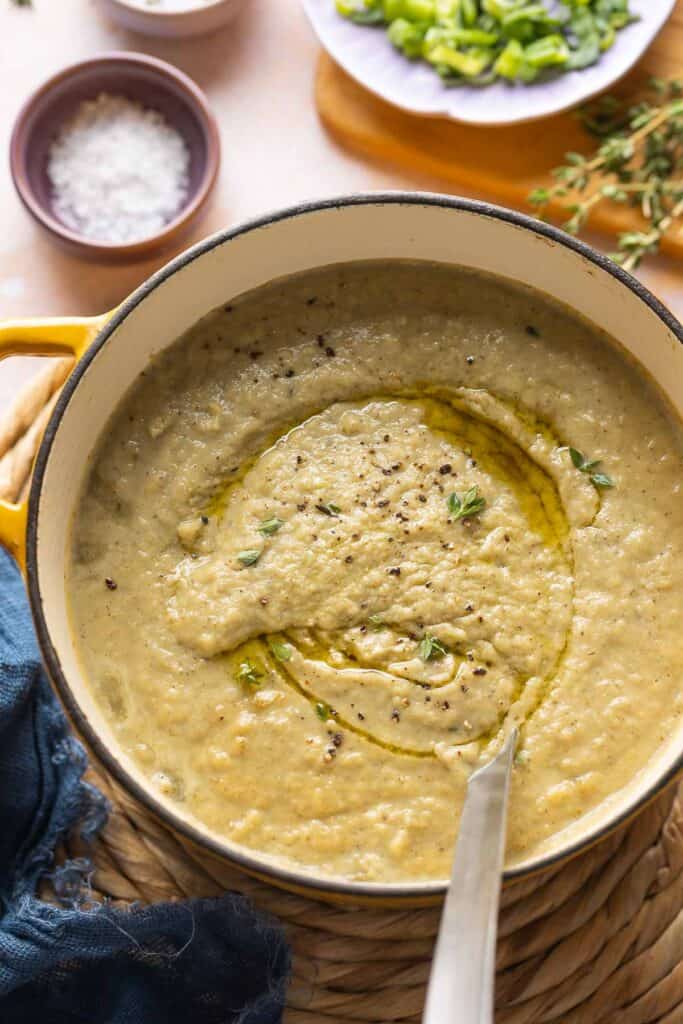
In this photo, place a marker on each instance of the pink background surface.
(258, 74)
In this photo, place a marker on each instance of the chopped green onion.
(479, 41)
(546, 52)
(363, 12)
(407, 37)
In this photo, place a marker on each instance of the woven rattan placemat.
(598, 940)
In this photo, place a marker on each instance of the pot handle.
(56, 337)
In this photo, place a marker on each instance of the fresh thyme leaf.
(454, 505)
(323, 711)
(638, 162)
(602, 480)
(471, 504)
(270, 526)
(576, 457)
(376, 623)
(329, 509)
(249, 673)
(581, 462)
(431, 647)
(584, 465)
(281, 651)
(250, 556)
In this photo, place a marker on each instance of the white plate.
(368, 56)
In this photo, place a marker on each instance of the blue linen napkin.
(211, 961)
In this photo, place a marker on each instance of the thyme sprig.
(249, 673)
(639, 163)
(591, 467)
(431, 647)
(470, 504)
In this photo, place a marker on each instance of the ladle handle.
(461, 984)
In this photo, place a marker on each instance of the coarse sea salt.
(119, 172)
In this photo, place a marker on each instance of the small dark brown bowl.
(154, 84)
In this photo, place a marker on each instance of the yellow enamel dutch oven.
(113, 350)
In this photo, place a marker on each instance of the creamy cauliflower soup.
(355, 526)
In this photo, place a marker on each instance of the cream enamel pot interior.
(114, 349)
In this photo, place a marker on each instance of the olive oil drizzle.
(281, 671)
(342, 658)
(447, 414)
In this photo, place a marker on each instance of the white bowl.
(191, 18)
(368, 56)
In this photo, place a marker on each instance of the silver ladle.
(461, 983)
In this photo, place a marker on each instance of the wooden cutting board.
(499, 163)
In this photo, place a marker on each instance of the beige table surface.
(258, 74)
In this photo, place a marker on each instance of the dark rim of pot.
(254, 863)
